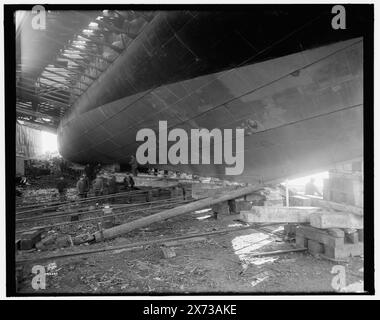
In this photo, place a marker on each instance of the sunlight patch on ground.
(280, 228)
(235, 225)
(204, 217)
(202, 211)
(261, 260)
(245, 245)
(260, 278)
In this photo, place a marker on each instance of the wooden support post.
(287, 193)
(149, 196)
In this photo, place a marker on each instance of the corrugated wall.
(28, 141)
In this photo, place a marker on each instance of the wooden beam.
(327, 220)
(36, 114)
(276, 252)
(130, 245)
(37, 98)
(62, 83)
(114, 29)
(54, 95)
(70, 45)
(84, 65)
(45, 86)
(39, 126)
(318, 202)
(65, 76)
(270, 214)
(52, 89)
(90, 53)
(103, 43)
(71, 70)
(54, 98)
(80, 73)
(106, 24)
(166, 214)
(24, 104)
(28, 106)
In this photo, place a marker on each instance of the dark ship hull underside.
(306, 107)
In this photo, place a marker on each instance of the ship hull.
(301, 112)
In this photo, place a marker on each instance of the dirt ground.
(209, 264)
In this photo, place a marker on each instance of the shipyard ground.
(205, 264)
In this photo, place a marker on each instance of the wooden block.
(176, 192)
(201, 190)
(345, 251)
(299, 201)
(290, 229)
(319, 235)
(360, 235)
(315, 247)
(273, 203)
(325, 220)
(259, 214)
(108, 222)
(221, 208)
(335, 232)
(17, 244)
(29, 239)
(19, 275)
(326, 189)
(352, 237)
(242, 205)
(47, 241)
(255, 197)
(232, 206)
(74, 217)
(64, 241)
(149, 196)
(301, 242)
(168, 252)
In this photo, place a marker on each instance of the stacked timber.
(262, 214)
(332, 230)
(332, 243)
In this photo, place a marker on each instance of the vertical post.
(287, 192)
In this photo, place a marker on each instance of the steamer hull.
(302, 112)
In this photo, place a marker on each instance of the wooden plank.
(336, 220)
(128, 245)
(318, 202)
(276, 252)
(345, 251)
(259, 214)
(166, 214)
(318, 235)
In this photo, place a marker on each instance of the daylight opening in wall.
(49, 142)
(300, 183)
